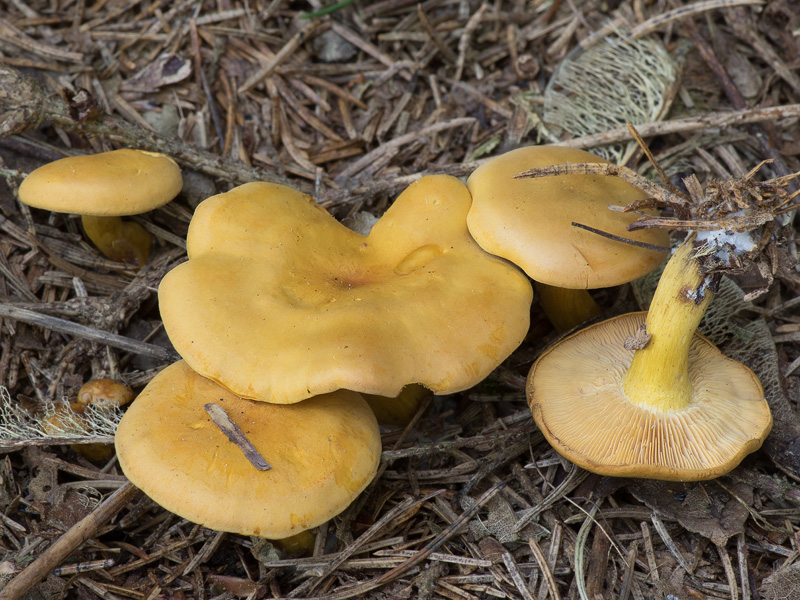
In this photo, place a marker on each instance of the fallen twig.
(63, 546)
(90, 333)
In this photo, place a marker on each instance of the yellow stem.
(125, 241)
(400, 410)
(566, 308)
(659, 374)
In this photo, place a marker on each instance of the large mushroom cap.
(575, 395)
(323, 452)
(529, 221)
(280, 302)
(117, 183)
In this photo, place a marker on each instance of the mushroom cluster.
(284, 317)
(638, 395)
(296, 331)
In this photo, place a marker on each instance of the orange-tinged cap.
(280, 302)
(116, 183)
(529, 221)
(322, 452)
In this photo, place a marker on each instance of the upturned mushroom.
(102, 188)
(645, 395)
(264, 469)
(280, 302)
(531, 222)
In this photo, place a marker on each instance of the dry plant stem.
(388, 456)
(705, 122)
(645, 185)
(430, 547)
(288, 49)
(67, 543)
(544, 567)
(735, 97)
(659, 373)
(354, 192)
(89, 333)
(27, 104)
(7, 445)
(566, 308)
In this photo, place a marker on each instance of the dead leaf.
(783, 584)
(499, 523)
(704, 507)
(165, 70)
(238, 586)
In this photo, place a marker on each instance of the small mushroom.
(531, 223)
(675, 408)
(102, 188)
(321, 454)
(104, 392)
(100, 393)
(280, 302)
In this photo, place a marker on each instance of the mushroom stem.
(566, 308)
(125, 241)
(659, 373)
(399, 410)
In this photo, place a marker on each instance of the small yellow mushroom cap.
(280, 302)
(323, 452)
(529, 221)
(575, 394)
(116, 183)
(104, 392)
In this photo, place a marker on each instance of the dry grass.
(351, 107)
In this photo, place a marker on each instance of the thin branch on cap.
(232, 431)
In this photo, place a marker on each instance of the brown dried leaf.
(165, 70)
(238, 586)
(783, 584)
(704, 507)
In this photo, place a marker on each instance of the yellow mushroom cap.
(529, 221)
(323, 452)
(104, 392)
(280, 302)
(575, 394)
(116, 183)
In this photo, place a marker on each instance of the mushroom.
(321, 454)
(104, 392)
(531, 223)
(102, 188)
(671, 407)
(99, 393)
(280, 302)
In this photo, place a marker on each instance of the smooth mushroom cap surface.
(116, 183)
(529, 221)
(280, 302)
(575, 395)
(323, 452)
